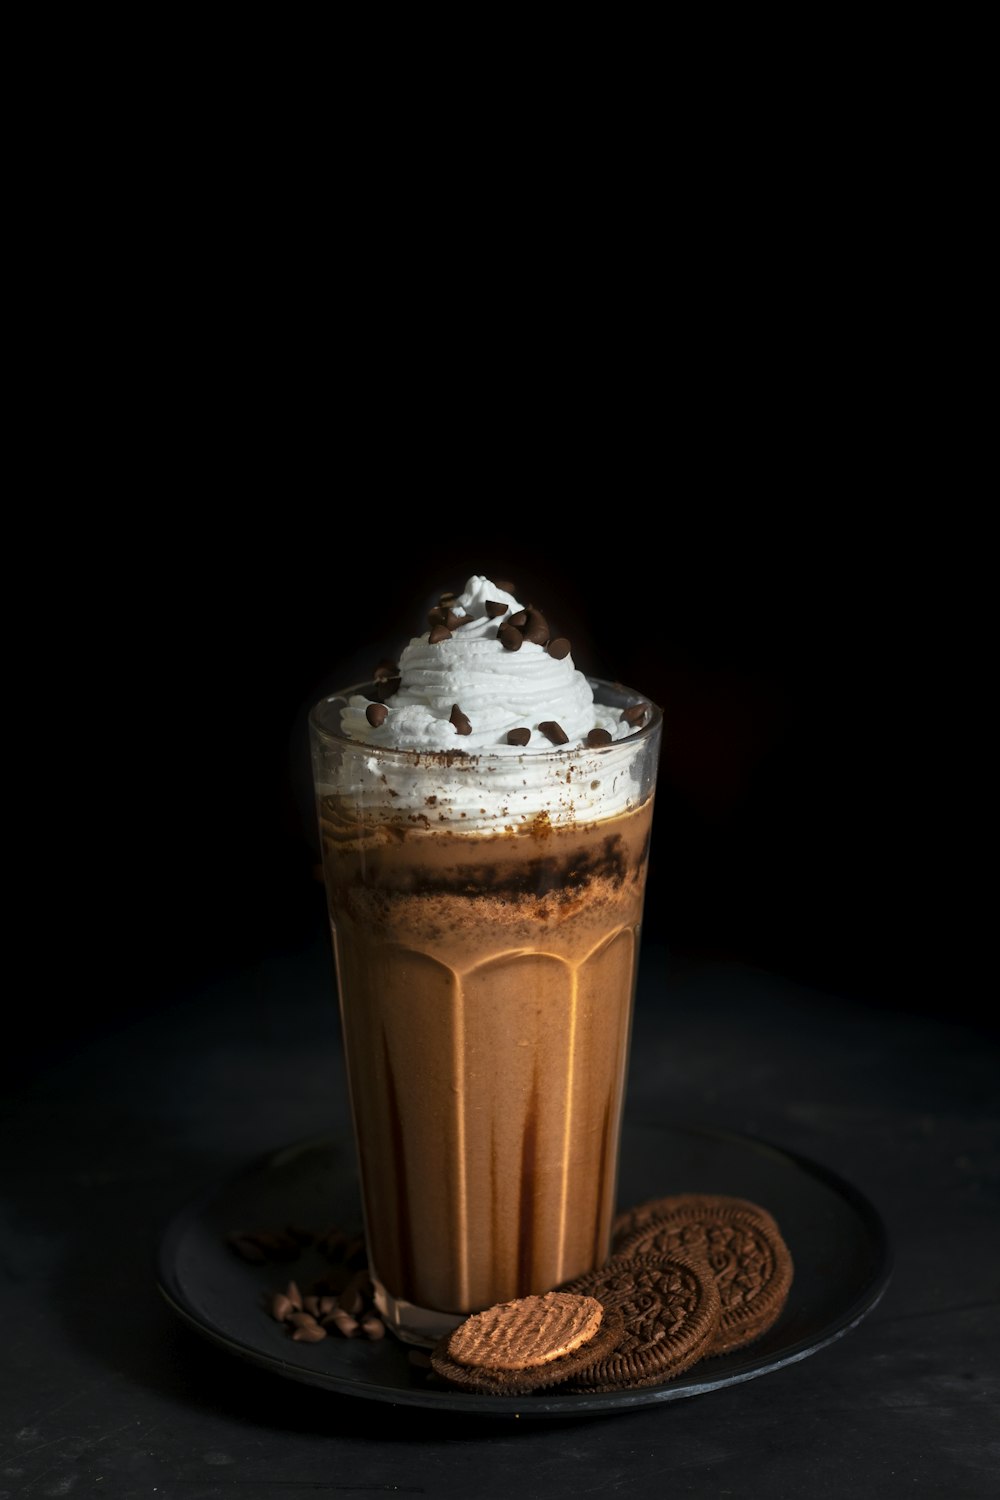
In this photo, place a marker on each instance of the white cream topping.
(489, 784)
(497, 690)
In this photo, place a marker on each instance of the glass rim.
(457, 758)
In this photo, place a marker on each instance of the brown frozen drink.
(485, 819)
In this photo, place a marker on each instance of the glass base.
(413, 1325)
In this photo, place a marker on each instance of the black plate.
(837, 1241)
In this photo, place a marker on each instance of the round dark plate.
(837, 1241)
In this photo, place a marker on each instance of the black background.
(715, 401)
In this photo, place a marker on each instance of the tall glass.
(486, 968)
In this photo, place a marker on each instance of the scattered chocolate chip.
(461, 723)
(439, 633)
(344, 1323)
(518, 736)
(281, 1306)
(520, 619)
(309, 1334)
(357, 1294)
(385, 669)
(340, 1300)
(454, 622)
(448, 598)
(376, 714)
(559, 647)
(636, 714)
(510, 637)
(495, 609)
(300, 1319)
(598, 737)
(536, 628)
(506, 585)
(437, 616)
(554, 732)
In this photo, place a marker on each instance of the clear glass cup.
(486, 950)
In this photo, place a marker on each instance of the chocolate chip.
(510, 638)
(309, 1334)
(385, 669)
(559, 647)
(495, 609)
(281, 1306)
(448, 598)
(439, 633)
(461, 723)
(554, 732)
(386, 687)
(301, 1320)
(376, 714)
(518, 736)
(344, 1323)
(372, 1327)
(520, 619)
(635, 714)
(536, 628)
(357, 1294)
(446, 616)
(507, 586)
(598, 737)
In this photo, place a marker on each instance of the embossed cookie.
(527, 1344)
(641, 1214)
(744, 1248)
(670, 1307)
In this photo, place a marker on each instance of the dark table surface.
(107, 1393)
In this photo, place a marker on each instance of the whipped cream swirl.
(496, 689)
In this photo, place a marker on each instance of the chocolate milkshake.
(485, 819)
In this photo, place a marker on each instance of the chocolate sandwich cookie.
(741, 1244)
(527, 1344)
(632, 1219)
(671, 1309)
